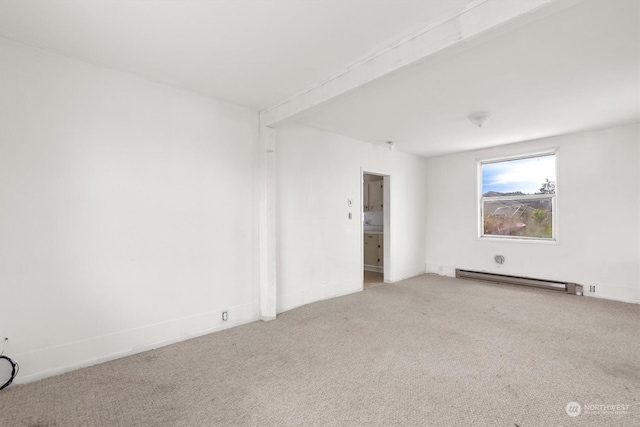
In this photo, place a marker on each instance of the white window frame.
(553, 197)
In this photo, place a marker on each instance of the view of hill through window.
(518, 197)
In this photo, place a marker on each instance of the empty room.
(316, 212)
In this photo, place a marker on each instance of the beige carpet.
(425, 351)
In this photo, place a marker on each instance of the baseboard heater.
(568, 287)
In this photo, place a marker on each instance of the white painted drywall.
(128, 212)
(319, 249)
(598, 215)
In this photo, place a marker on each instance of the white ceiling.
(254, 53)
(577, 69)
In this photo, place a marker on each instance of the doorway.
(375, 230)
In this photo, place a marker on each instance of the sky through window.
(524, 175)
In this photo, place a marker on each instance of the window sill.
(518, 240)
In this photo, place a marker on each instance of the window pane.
(534, 175)
(523, 217)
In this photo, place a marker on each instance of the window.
(518, 198)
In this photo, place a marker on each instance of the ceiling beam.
(477, 17)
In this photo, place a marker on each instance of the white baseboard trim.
(633, 301)
(47, 362)
(408, 274)
(374, 268)
(293, 300)
(611, 292)
(604, 291)
(440, 270)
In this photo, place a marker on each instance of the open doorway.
(374, 228)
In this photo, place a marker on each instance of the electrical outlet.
(592, 289)
(225, 316)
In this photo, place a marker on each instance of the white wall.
(128, 212)
(319, 250)
(598, 215)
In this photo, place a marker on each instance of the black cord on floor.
(14, 370)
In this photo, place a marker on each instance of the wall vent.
(553, 285)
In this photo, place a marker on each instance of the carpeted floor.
(426, 351)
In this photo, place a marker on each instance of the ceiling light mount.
(480, 118)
